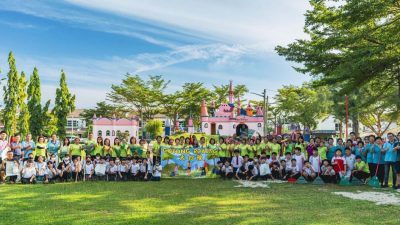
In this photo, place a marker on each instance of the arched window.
(118, 133)
(113, 133)
(99, 133)
(206, 125)
(259, 124)
(108, 133)
(220, 127)
(127, 133)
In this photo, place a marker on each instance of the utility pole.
(347, 115)
(265, 109)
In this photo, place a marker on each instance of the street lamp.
(265, 111)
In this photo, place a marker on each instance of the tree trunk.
(355, 125)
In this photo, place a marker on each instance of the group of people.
(50, 161)
(270, 157)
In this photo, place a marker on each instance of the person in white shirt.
(237, 161)
(29, 173)
(41, 168)
(89, 169)
(350, 161)
(135, 170)
(252, 173)
(112, 171)
(100, 169)
(227, 169)
(293, 170)
(51, 173)
(122, 170)
(157, 172)
(265, 171)
(316, 161)
(300, 158)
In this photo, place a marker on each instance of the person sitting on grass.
(275, 170)
(76, 169)
(11, 166)
(51, 173)
(328, 174)
(227, 170)
(360, 171)
(64, 171)
(309, 173)
(252, 173)
(100, 169)
(293, 170)
(29, 173)
(135, 170)
(265, 171)
(274, 159)
(41, 168)
(157, 172)
(89, 169)
(147, 170)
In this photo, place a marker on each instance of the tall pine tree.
(64, 104)
(11, 97)
(38, 114)
(23, 119)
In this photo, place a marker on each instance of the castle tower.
(230, 92)
(190, 125)
(249, 110)
(238, 106)
(204, 110)
(259, 112)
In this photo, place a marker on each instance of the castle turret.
(203, 110)
(230, 92)
(238, 106)
(190, 125)
(259, 112)
(249, 110)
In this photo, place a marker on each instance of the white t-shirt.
(88, 168)
(299, 160)
(316, 163)
(264, 169)
(157, 171)
(135, 168)
(100, 169)
(41, 167)
(237, 161)
(122, 168)
(113, 169)
(29, 172)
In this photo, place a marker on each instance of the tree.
(50, 126)
(39, 116)
(376, 118)
(11, 99)
(64, 104)
(24, 116)
(154, 128)
(350, 45)
(221, 93)
(104, 109)
(302, 105)
(144, 96)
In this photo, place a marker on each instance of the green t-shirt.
(40, 149)
(75, 149)
(322, 152)
(361, 165)
(275, 148)
(116, 151)
(90, 145)
(98, 149)
(156, 148)
(243, 149)
(223, 150)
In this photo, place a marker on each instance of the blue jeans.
(394, 172)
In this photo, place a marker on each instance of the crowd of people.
(257, 158)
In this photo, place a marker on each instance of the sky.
(97, 42)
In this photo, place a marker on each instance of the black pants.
(228, 175)
(380, 173)
(361, 175)
(12, 178)
(328, 178)
(276, 174)
(266, 177)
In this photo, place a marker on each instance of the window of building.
(118, 133)
(99, 133)
(220, 127)
(206, 125)
(259, 124)
(108, 133)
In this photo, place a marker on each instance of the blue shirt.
(373, 153)
(25, 145)
(390, 155)
(17, 151)
(331, 152)
(53, 147)
(360, 152)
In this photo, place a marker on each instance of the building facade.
(113, 127)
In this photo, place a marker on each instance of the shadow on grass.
(205, 201)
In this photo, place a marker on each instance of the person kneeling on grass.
(252, 173)
(29, 173)
(308, 172)
(135, 170)
(76, 169)
(361, 170)
(265, 171)
(339, 165)
(100, 169)
(293, 170)
(275, 170)
(41, 168)
(157, 172)
(227, 170)
(112, 171)
(50, 175)
(241, 173)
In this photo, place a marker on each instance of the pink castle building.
(111, 127)
(229, 119)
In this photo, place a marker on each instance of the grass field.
(179, 201)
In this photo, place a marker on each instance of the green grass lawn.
(180, 201)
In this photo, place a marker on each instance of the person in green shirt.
(243, 147)
(156, 149)
(107, 150)
(361, 170)
(90, 144)
(187, 143)
(222, 150)
(252, 149)
(134, 148)
(143, 147)
(124, 150)
(275, 147)
(98, 148)
(64, 150)
(322, 150)
(116, 152)
(75, 149)
(259, 147)
(40, 149)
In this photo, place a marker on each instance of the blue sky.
(97, 42)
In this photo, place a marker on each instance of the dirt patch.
(380, 198)
(252, 184)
